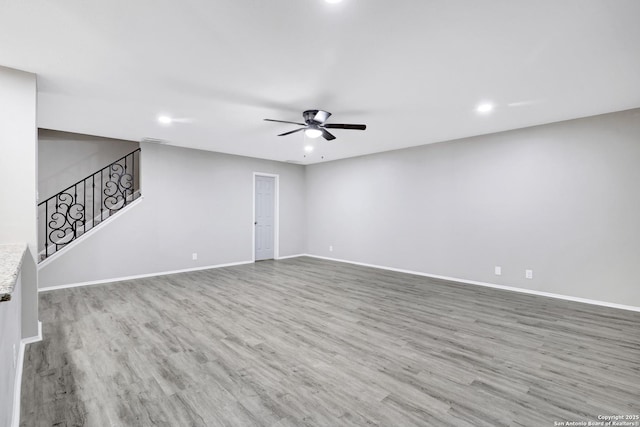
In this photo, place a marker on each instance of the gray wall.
(562, 199)
(65, 158)
(193, 201)
(18, 318)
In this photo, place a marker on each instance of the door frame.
(276, 216)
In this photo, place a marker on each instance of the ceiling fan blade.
(345, 126)
(290, 132)
(321, 116)
(326, 135)
(282, 121)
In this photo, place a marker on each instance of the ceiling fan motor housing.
(309, 116)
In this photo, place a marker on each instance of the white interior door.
(265, 217)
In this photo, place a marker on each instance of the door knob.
(255, 223)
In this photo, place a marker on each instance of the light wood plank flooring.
(309, 342)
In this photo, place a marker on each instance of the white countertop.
(10, 263)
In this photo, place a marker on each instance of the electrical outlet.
(498, 270)
(330, 248)
(194, 256)
(528, 274)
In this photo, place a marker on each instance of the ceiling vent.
(155, 141)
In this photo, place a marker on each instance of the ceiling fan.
(315, 126)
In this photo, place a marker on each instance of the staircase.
(81, 207)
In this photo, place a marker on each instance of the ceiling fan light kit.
(315, 126)
(313, 132)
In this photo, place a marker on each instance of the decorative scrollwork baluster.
(63, 223)
(118, 188)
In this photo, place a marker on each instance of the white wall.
(10, 336)
(562, 199)
(18, 160)
(65, 158)
(193, 201)
(19, 317)
(18, 175)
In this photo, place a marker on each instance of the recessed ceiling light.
(308, 148)
(313, 132)
(484, 108)
(165, 120)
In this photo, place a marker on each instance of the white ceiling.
(412, 70)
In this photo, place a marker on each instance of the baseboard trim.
(140, 276)
(486, 284)
(31, 340)
(162, 273)
(291, 256)
(382, 267)
(17, 387)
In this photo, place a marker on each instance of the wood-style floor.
(311, 342)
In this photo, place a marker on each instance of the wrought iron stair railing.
(74, 211)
